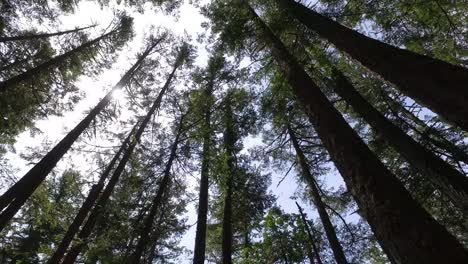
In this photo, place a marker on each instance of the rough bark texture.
(200, 236)
(88, 204)
(45, 66)
(407, 233)
(97, 211)
(311, 237)
(148, 224)
(450, 181)
(440, 86)
(14, 198)
(42, 35)
(229, 142)
(324, 217)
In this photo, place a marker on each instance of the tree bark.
(45, 66)
(200, 236)
(311, 238)
(407, 233)
(14, 198)
(436, 84)
(88, 204)
(324, 217)
(450, 181)
(229, 142)
(148, 224)
(97, 211)
(43, 35)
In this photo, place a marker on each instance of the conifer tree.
(418, 76)
(12, 200)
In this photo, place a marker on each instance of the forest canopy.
(233, 131)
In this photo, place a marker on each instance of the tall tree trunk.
(43, 35)
(324, 217)
(14, 198)
(450, 181)
(156, 236)
(54, 62)
(229, 142)
(428, 134)
(311, 238)
(200, 236)
(247, 244)
(407, 233)
(440, 86)
(97, 211)
(148, 223)
(88, 204)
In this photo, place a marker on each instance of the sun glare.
(118, 95)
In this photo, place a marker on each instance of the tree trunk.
(311, 238)
(96, 213)
(440, 86)
(450, 181)
(405, 230)
(432, 136)
(88, 204)
(43, 35)
(200, 236)
(324, 217)
(156, 236)
(148, 224)
(54, 62)
(229, 142)
(14, 198)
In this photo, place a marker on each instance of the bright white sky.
(55, 128)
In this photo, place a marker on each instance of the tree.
(407, 70)
(329, 229)
(229, 139)
(209, 78)
(445, 177)
(157, 201)
(12, 200)
(313, 254)
(182, 56)
(42, 35)
(88, 204)
(378, 209)
(36, 84)
(43, 219)
(123, 28)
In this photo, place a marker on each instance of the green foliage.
(44, 220)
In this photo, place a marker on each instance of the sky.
(54, 128)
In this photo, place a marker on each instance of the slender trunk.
(407, 233)
(88, 204)
(42, 35)
(148, 224)
(432, 136)
(311, 238)
(441, 174)
(156, 236)
(324, 217)
(14, 198)
(436, 84)
(200, 236)
(97, 211)
(246, 241)
(54, 62)
(229, 141)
